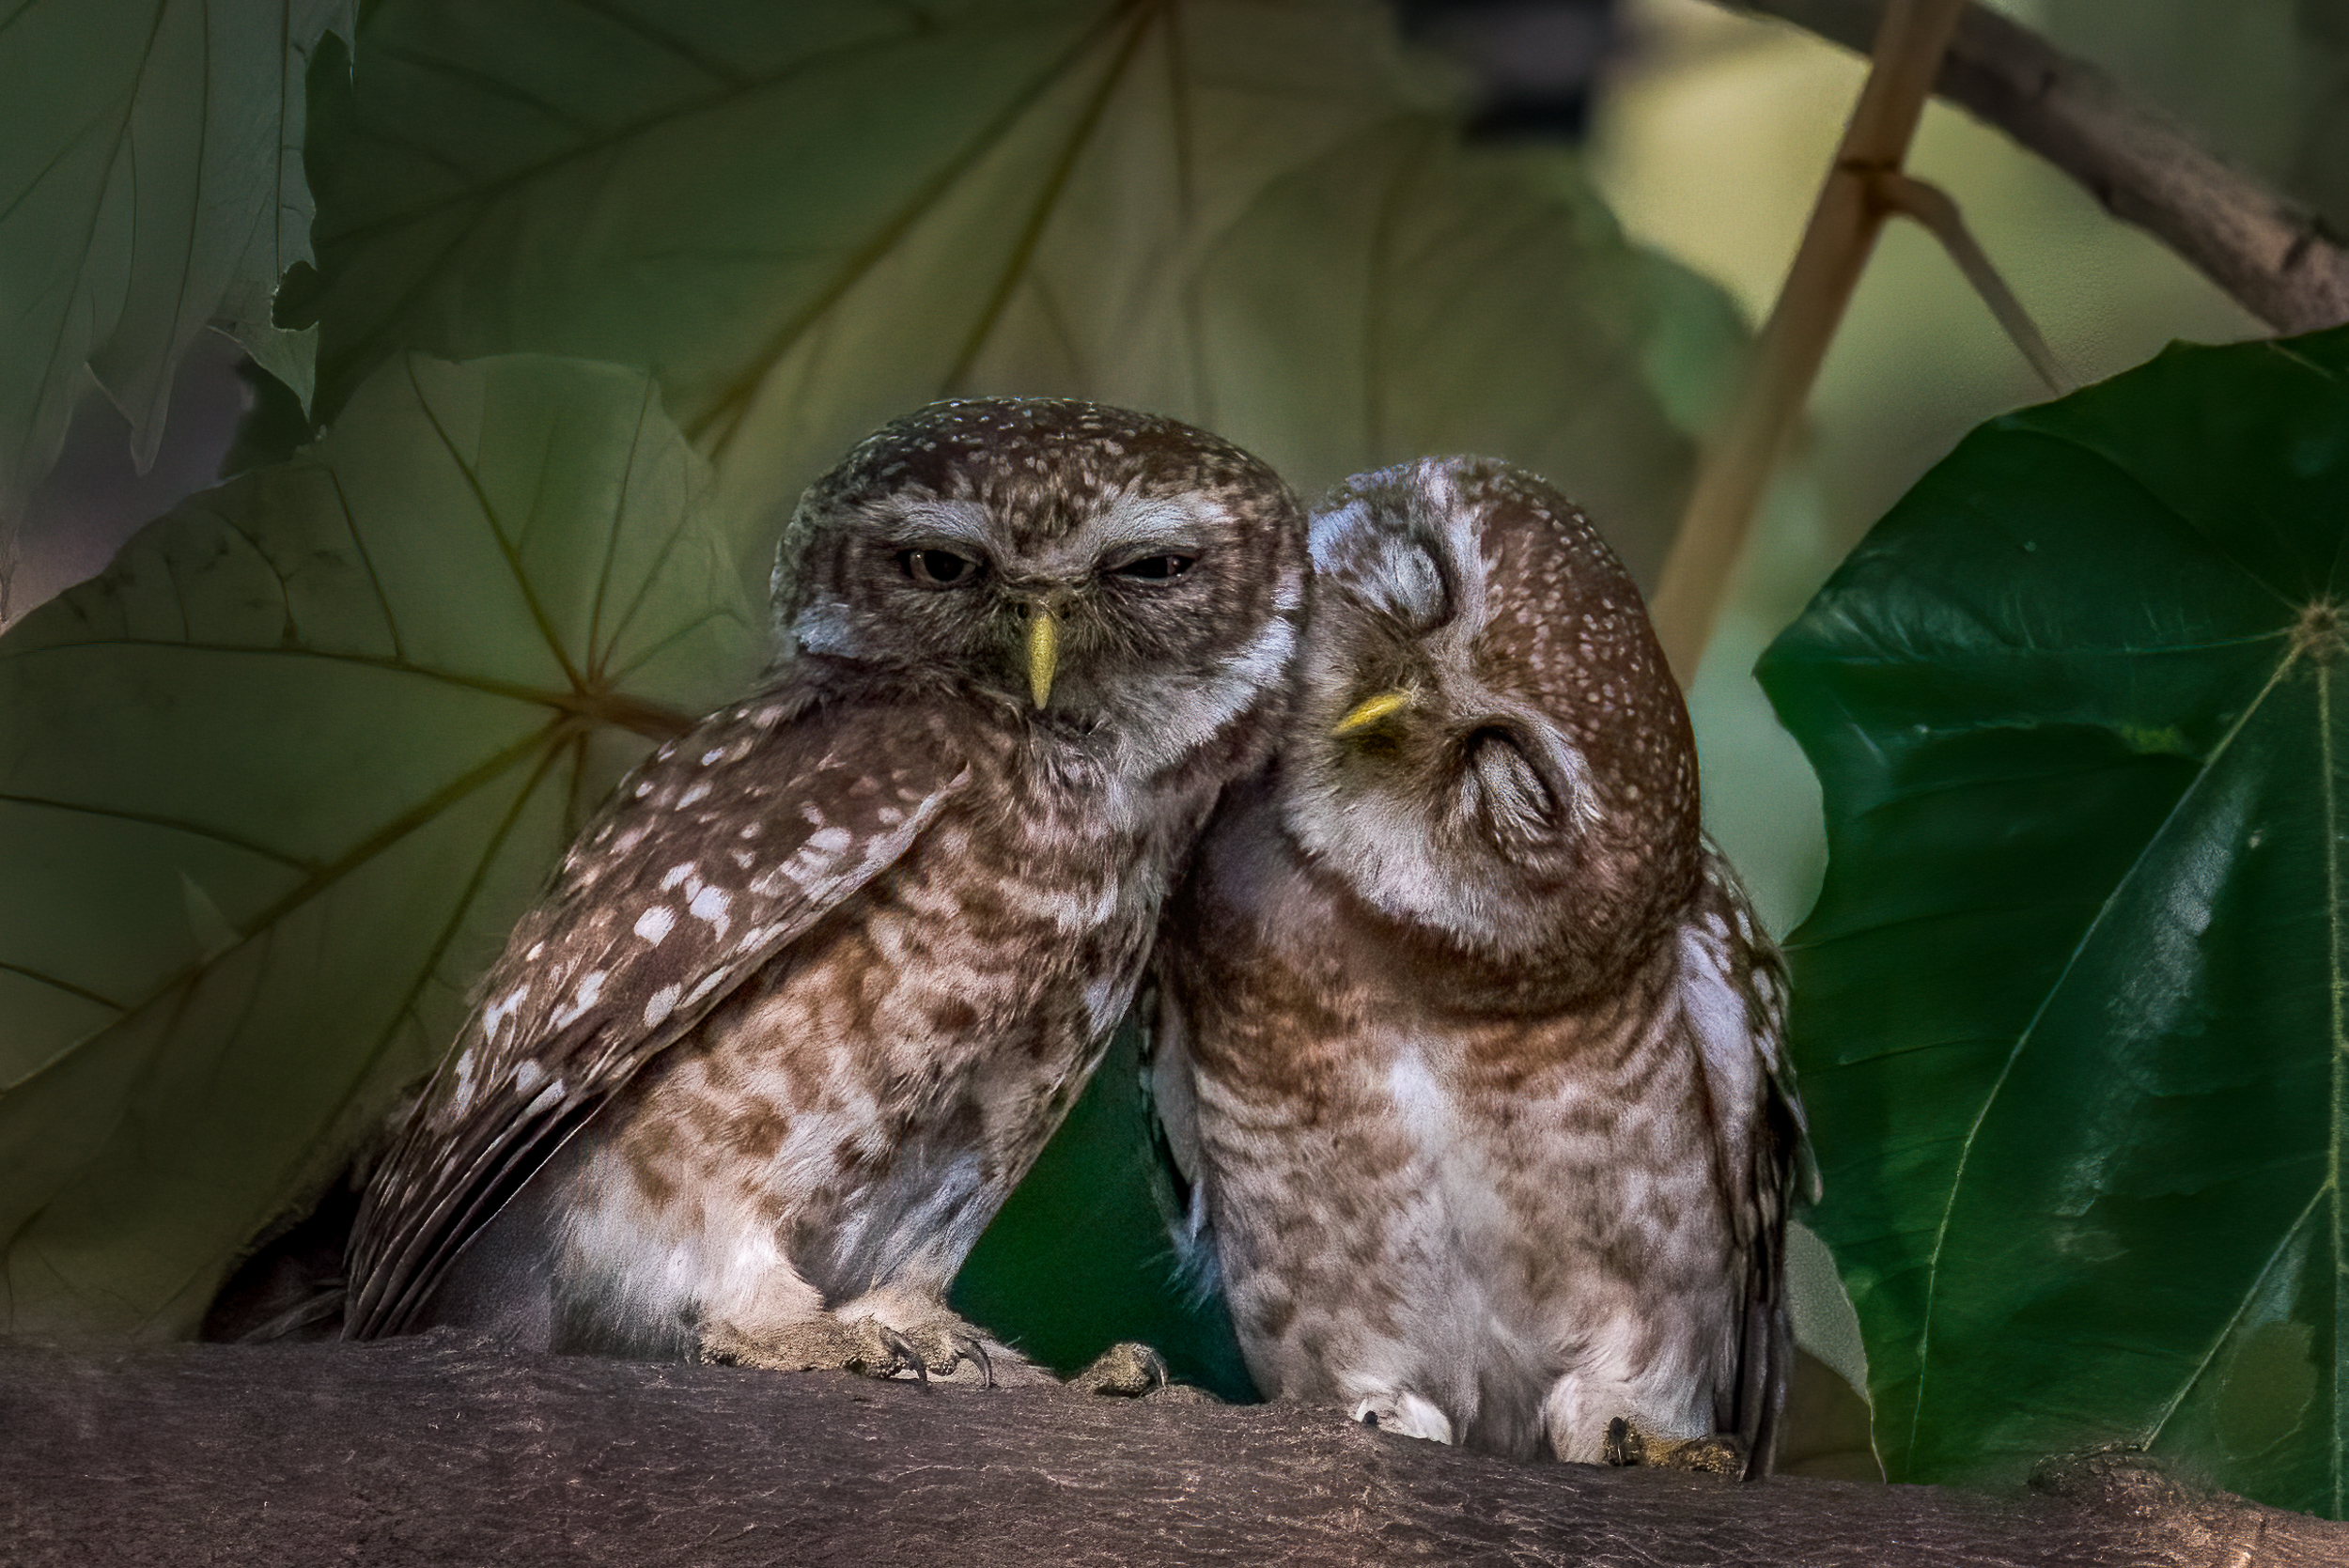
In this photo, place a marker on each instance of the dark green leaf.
(150, 184)
(2069, 1008)
(274, 786)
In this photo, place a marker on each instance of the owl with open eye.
(1468, 1046)
(805, 1002)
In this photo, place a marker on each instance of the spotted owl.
(1468, 1045)
(803, 1004)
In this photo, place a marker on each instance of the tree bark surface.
(442, 1449)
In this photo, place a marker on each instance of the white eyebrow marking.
(1131, 520)
(962, 522)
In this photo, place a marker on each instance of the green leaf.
(273, 787)
(2068, 1011)
(150, 184)
(812, 217)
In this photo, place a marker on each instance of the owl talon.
(944, 1346)
(1124, 1371)
(901, 1355)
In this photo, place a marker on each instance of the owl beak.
(1043, 652)
(1374, 709)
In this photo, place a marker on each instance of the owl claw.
(942, 1347)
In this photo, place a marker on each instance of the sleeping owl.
(1469, 1046)
(803, 1004)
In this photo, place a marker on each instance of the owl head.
(1105, 573)
(1487, 743)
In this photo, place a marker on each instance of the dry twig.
(1835, 248)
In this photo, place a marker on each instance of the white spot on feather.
(468, 1069)
(500, 1012)
(581, 999)
(655, 924)
(710, 904)
(663, 1003)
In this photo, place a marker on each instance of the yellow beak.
(1372, 710)
(1043, 653)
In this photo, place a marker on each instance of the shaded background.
(1709, 134)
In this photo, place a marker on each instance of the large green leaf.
(274, 786)
(150, 184)
(810, 217)
(2068, 1011)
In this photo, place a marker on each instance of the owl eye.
(937, 568)
(1156, 569)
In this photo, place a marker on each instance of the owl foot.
(1125, 1371)
(1717, 1454)
(867, 1347)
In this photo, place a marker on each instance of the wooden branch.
(1930, 207)
(441, 1449)
(1738, 463)
(2268, 251)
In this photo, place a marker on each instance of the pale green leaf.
(812, 217)
(272, 788)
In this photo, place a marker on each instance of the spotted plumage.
(806, 1000)
(1468, 1045)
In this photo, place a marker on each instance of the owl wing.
(1171, 1111)
(1733, 988)
(718, 853)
